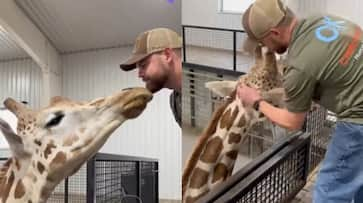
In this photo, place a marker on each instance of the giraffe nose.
(128, 88)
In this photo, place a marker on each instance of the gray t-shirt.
(325, 65)
(175, 105)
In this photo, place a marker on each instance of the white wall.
(153, 134)
(21, 80)
(27, 35)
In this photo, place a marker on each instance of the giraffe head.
(53, 143)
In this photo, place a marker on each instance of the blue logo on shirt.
(329, 25)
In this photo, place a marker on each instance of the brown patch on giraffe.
(17, 164)
(69, 140)
(220, 172)
(228, 118)
(19, 190)
(241, 122)
(59, 159)
(39, 143)
(29, 201)
(48, 149)
(82, 130)
(198, 178)
(203, 138)
(212, 150)
(194, 199)
(40, 167)
(8, 186)
(234, 138)
(232, 154)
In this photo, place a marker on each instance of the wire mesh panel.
(316, 124)
(197, 101)
(123, 179)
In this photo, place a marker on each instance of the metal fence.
(110, 178)
(275, 176)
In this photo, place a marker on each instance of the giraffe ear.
(221, 88)
(15, 142)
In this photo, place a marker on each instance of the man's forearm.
(282, 117)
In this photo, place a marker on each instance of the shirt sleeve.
(299, 88)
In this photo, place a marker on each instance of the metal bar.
(157, 182)
(213, 28)
(138, 178)
(91, 180)
(192, 100)
(234, 51)
(66, 194)
(184, 45)
(113, 157)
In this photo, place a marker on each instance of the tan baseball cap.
(263, 15)
(149, 42)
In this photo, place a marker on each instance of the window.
(235, 6)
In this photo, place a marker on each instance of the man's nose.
(141, 73)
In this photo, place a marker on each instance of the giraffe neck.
(24, 182)
(215, 160)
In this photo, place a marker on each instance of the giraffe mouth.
(136, 103)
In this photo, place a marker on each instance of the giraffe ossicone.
(54, 142)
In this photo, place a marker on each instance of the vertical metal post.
(66, 194)
(184, 47)
(91, 180)
(138, 177)
(234, 51)
(192, 98)
(156, 176)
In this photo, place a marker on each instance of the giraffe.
(215, 153)
(54, 142)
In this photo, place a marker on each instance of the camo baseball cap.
(150, 42)
(263, 15)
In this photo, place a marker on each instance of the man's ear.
(168, 52)
(275, 32)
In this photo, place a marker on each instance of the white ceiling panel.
(88, 24)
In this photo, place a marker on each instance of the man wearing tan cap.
(157, 55)
(325, 65)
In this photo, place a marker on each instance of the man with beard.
(157, 55)
(325, 65)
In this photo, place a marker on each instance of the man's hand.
(248, 95)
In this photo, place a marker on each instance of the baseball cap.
(263, 15)
(150, 42)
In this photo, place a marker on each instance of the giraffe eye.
(58, 116)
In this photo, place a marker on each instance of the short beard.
(156, 85)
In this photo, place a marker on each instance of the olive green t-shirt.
(326, 66)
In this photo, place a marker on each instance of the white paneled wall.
(21, 80)
(153, 134)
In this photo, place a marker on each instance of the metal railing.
(275, 176)
(234, 43)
